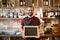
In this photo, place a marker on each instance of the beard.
(30, 14)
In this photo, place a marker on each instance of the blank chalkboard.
(31, 31)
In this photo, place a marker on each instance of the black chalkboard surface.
(31, 31)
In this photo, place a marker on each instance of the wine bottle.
(32, 3)
(21, 3)
(46, 3)
(24, 3)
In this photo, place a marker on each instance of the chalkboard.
(31, 31)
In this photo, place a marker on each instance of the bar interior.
(12, 12)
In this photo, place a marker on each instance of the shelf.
(22, 18)
(7, 7)
(48, 18)
(10, 18)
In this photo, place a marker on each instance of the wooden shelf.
(48, 18)
(10, 18)
(7, 7)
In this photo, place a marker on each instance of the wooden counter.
(50, 35)
(41, 36)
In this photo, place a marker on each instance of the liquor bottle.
(46, 3)
(0, 3)
(0, 13)
(21, 3)
(7, 3)
(4, 3)
(15, 15)
(56, 12)
(45, 13)
(32, 3)
(24, 3)
(11, 14)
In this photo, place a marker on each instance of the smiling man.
(30, 20)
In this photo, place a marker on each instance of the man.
(30, 21)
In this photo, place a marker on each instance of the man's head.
(30, 10)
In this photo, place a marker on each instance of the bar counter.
(43, 36)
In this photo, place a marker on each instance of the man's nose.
(30, 11)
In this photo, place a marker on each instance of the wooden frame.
(35, 36)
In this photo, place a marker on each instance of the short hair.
(31, 7)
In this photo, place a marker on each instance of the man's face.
(30, 11)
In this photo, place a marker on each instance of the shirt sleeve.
(22, 23)
(38, 21)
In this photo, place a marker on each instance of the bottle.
(0, 13)
(46, 12)
(46, 3)
(15, 15)
(7, 3)
(24, 3)
(56, 12)
(21, 3)
(0, 3)
(32, 3)
(4, 13)
(11, 14)
(12, 4)
(4, 3)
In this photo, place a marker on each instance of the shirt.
(33, 21)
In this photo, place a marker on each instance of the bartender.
(31, 20)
